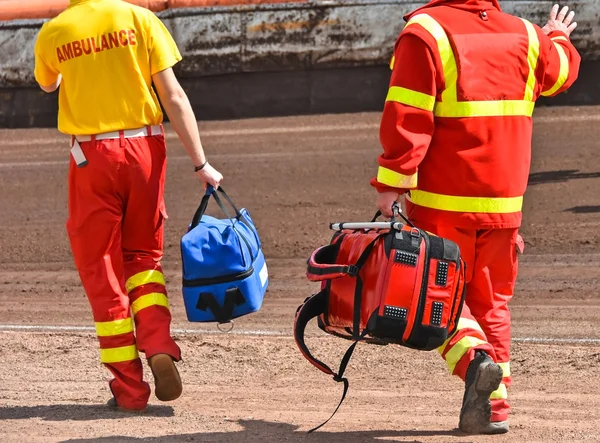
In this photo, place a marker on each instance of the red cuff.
(558, 34)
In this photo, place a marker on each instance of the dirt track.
(296, 175)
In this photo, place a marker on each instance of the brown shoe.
(167, 382)
(112, 404)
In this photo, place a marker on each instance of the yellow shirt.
(106, 52)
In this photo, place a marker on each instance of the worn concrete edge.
(209, 10)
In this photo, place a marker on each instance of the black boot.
(483, 377)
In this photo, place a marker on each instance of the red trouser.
(115, 226)
(492, 265)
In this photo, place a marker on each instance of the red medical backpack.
(384, 283)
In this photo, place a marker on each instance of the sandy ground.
(295, 175)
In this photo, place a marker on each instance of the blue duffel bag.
(224, 270)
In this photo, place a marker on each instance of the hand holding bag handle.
(396, 210)
(211, 191)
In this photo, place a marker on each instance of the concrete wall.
(294, 49)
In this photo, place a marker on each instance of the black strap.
(331, 270)
(313, 307)
(223, 314)
(210, 191)
(408, 222)
(340, 379)
(359, 283)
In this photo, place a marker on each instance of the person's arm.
(47, 77)
(181, 116)
(407, 123)
(558, 53)
(164, 54)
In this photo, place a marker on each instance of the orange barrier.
(35, 9)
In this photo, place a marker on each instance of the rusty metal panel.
(283, 37)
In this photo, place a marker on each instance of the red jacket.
(456, 128)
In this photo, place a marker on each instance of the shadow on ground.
(76, 412)
(539, 178)
(258, 431)
(583, 209)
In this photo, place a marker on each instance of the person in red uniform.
(456, 133)
(108, 71)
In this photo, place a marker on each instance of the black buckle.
(353, 270)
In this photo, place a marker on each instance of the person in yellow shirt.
(107, 58)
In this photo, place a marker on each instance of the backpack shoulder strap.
(311, 308)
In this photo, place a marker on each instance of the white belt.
(146, 131)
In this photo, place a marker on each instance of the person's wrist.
(200, 167)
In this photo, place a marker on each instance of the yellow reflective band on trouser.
(459, 349)
(144, 278)
(500, 393)
(394, 179)
(392, 62)
(152, 299)
(117, 355)
(447, 55)
(466, 323)
(463, 323)
(498, 108)
(564, 71)
(505, 369)
(115, 327)
(533, 53)
(489, 205)
(411, 98)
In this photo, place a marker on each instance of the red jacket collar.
(468, 5)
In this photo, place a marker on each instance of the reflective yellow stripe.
(498, 108)
(411, 98)
(564, 71)
(505, 369)
(466, 204)
(116, 355)
(392, 62)
(533, 54)
(500, 393)
(391, 178)
(115, 327)
(459, 350)
(560, 37)
(152, 299)
(143, 278)
(465, 323)
(446, 54)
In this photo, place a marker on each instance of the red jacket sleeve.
(407, 120)
(560, 63)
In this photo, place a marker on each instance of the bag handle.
(313, 307)
(318, 271)
(211, 191)
(320, 267)
(396, 211)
